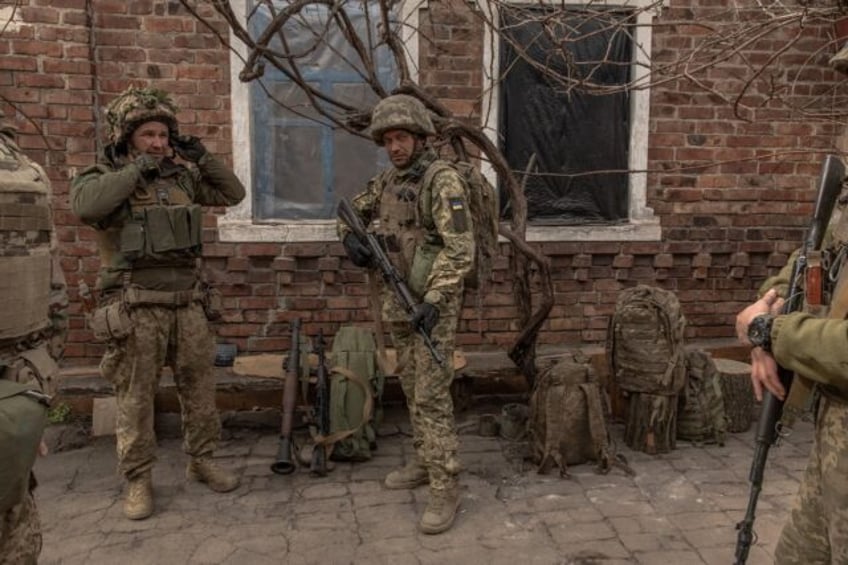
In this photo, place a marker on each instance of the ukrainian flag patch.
(458, 217)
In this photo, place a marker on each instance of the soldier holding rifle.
(811, 342)
(425, 230)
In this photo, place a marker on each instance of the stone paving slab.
(679, 507)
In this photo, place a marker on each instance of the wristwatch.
(759, 331)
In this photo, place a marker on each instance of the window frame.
(237, 225)
(642, 225)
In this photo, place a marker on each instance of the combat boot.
(203, 470)
(440, 511)
(138, 503)
(409, 476)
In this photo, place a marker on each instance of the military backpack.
(356, 388)
(23, 418)
(568, 417)
(700, 411)
(484, 210)
(645, 349)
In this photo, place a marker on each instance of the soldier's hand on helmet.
(188, 147)
(359, 254)
(426, 317)
(147, 165)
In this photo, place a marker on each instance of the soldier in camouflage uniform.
(428, 234)
(815, 348)
(153, 306)
(34, 301)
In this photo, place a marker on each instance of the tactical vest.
(25, 231)
(159, 239)
(406, 226)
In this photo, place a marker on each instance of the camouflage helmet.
(400, 111)
(135, 106)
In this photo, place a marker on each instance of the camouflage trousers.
(817, 530)
(176, 337)
(20, 534)
(426, 386)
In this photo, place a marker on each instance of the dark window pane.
(553, 105)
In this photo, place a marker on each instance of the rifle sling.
(367, 408)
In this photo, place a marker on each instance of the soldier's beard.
(413, 157)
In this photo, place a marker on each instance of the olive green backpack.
(356, 388)
(23, 417)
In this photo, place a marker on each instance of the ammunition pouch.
(160, 234)
(34, 367)
(110, 322)
(212, 302)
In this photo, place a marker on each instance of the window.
(294, 161)
(585, 207)
(571, 132)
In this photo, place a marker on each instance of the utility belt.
(134, 296)
(112, 321)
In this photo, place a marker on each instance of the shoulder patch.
(458, 214)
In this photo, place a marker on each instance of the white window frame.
(237, 224)
(642, 224)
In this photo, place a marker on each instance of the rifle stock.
(284, 463)
(390, 273)
(830, 184)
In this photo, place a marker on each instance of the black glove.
(188, 147)
(426, 317)
(356, 250)
(148, 166)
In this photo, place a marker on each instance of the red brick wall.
(725, 227)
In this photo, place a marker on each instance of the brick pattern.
(725, 227)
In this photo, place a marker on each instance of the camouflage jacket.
(102, 194)
(427, 231)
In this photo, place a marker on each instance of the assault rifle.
(768, 428)
(284, 464)
(390, 273)
(322, 411)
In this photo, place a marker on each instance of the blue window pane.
(301, 162)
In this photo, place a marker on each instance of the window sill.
(242, 231)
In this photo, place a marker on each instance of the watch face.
(757, 330)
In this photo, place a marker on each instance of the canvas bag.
(356, 387)
(645, 349)
(701, 416)
(568, 422)
(23, 418)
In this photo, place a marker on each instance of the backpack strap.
(367, 408)
(598, 412)
(551, 454)
(597, 429)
